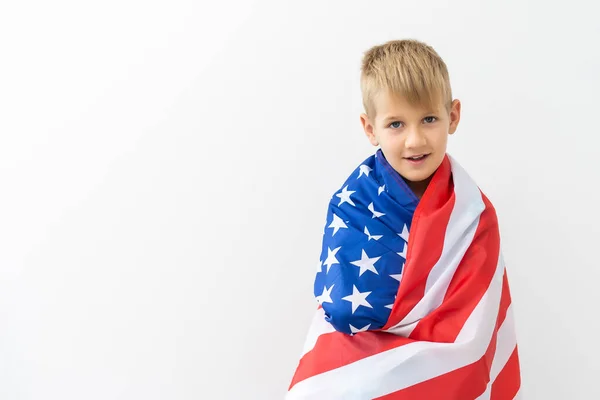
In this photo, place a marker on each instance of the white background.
(165, 169)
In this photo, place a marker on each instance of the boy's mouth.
(418, 157)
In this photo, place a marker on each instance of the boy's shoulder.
(363, 178)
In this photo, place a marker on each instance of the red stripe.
(460, 384)
(468, 285)
(507, 384)
(468, 382)
(427, 235)
(336, 349)
(505, 300)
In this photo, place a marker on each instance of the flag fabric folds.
(413, 296)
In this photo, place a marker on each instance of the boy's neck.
(419, 187)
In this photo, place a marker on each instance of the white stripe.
(459, 235)
(505, 345)
(318, 327)
(507, 341)
(396, 369)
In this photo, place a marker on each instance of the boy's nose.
(415, 138)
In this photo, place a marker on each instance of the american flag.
(413, 296)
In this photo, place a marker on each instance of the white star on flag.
(336, 224)
(356, 330)
(325, 297)
(375, 237)
(381, 189)
(358, 299)
(404, 235)
(376, 214)
(390, 306)
(331, 260)
(403, 252)
(364, 169)
(397, 277)
(345, 197)
(366, 264)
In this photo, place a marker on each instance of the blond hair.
(407, 68)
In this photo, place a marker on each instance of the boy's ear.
(368, 128)
(454, 116)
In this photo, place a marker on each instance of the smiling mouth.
(417, 158)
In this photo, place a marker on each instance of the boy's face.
(412, 138)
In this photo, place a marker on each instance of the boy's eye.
(396, 124)
(429, 120)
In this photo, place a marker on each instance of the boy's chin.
(417, 176)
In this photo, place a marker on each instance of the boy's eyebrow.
(394, 118)
(391, 118)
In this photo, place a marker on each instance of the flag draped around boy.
(449, 332)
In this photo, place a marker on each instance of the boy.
(412, 291)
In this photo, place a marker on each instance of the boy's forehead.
(396, 105)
